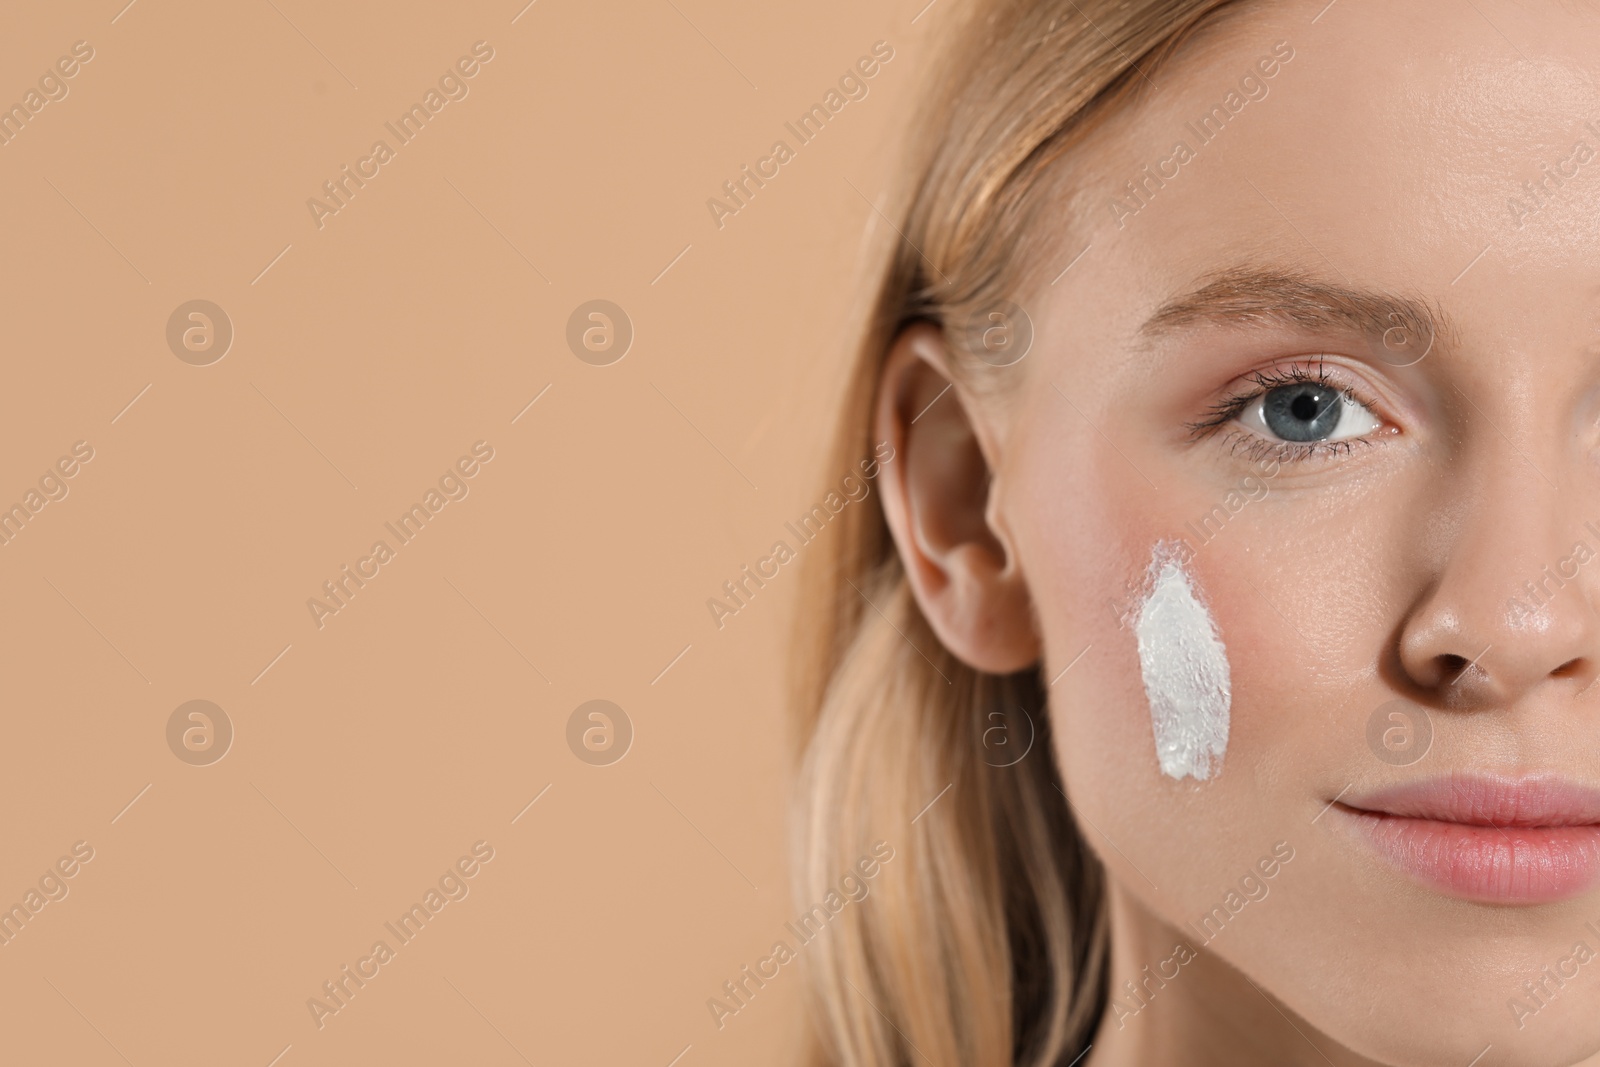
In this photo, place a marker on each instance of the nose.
(1512, 609)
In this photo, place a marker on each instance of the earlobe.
(935, 497)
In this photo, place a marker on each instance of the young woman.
(1214, 659)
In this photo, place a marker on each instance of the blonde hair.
(985, 942)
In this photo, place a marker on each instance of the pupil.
(1302, 413)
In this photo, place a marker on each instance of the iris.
(1307, 411)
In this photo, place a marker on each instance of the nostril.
(1570, 669)
(1453, 665)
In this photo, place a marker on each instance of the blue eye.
(1308, 412)
(1294, 412)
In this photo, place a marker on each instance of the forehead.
(1399, 146)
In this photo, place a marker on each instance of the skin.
(1382, 160)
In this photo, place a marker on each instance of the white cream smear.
(1185, 669)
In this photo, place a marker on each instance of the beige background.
(367, 357)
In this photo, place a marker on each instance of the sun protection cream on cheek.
(1185, 669)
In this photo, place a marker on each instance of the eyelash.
(1252, 446)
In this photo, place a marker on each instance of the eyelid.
(1282, 372)
(1327, 368)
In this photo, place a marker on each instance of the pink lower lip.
(1523, 839)
(1492, 864)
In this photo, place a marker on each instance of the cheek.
(1296, 593)
(1305, 585)
(1086, 550)
(1301, 622)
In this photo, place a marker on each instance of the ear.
(936, 497)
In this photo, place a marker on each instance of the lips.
(1516, 841)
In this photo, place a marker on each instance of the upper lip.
(1538, 800)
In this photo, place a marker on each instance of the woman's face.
(1341, 357)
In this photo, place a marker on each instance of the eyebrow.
(1252, 296)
